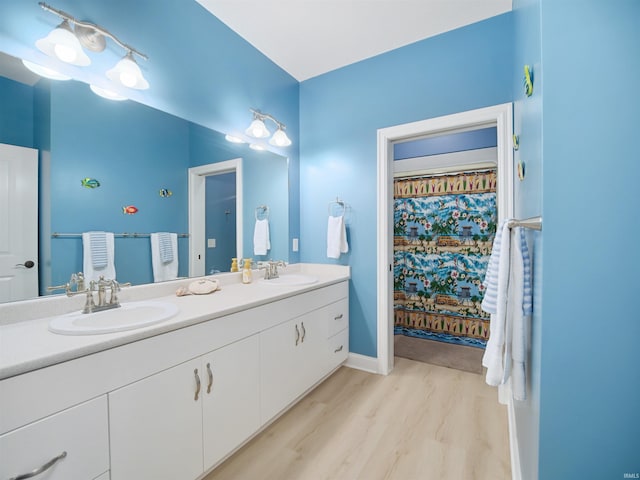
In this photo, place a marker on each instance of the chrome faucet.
(271, 268)
(100, 287)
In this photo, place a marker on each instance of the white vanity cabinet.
(72, 444)
(181, 421)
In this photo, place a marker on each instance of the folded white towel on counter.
(98, 255)
(336, 237)
(164, 270)
(261, 242)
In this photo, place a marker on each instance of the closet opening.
(418, 229)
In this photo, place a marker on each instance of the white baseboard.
(362, 362)
(516, 468)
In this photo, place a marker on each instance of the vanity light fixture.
(257, 146)
(108, 94)
(65, 44)
(233, 139)
(258, 129)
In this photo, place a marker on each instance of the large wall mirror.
(140, 157)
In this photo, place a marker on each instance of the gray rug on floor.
(444, 354)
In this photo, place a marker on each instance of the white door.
(18, 223)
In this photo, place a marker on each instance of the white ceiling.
(307, 38)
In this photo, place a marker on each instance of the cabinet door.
(292, 359)
(81, 432)
(231, 406)
(280, 368)
(156, 426)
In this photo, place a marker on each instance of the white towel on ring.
(336, 237)
(261, 242)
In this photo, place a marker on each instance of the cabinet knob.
(195, 372)
(210, 373)
(41, 469)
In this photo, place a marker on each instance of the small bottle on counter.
(246, 271)
(234, 264)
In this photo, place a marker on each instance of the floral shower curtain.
(443, 232)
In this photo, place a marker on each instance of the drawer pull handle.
(297, 335)
(195, 372)
(210, 373)
(41, 469)
(339, 317)
(304, 332)
(339, 349)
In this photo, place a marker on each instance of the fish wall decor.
(130, 210)
(90, 183)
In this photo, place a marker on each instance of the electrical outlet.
(211, 242)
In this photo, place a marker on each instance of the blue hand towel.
(166, 247)
(98, 249)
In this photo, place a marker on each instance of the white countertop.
(26, 344)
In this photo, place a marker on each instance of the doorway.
(198, 211)
(499, 116)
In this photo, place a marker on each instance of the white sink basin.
(129, 316)
(292, 280)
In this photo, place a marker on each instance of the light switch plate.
(294, 247)
(211, 242)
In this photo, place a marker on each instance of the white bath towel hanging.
(164, 270)
(261, 242)
(98, 255)
(495, 303)
(336, 237)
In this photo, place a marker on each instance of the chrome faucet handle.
(89, 303)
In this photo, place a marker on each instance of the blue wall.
(590, 382)
(220, 225)
(527, 119)
(16, 113)
(340, 113)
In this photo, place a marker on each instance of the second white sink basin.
(292, 280)
(128, 316)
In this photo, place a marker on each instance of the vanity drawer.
(338, 348)
(337, 315)
(80, 431)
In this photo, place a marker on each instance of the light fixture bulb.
(128, 73)
(280, 139)
(45, 71)
(62, 44)
(257, 146)
(257, 129)
(108, 94)
(233, 139)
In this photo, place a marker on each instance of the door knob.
(27, 264)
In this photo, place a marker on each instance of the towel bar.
(534, 223)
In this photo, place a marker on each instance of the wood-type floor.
(421, 422)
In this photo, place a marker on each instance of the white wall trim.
(197, 214)
(499, 115)
(516, 468)
(362, 362)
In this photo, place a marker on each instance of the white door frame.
(197, 210)
(500, 116)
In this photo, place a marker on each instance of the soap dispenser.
(234, 264)
(246, 271)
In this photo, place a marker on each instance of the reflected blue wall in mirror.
(16, 114)
(220, 218)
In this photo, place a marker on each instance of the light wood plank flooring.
(420, 422)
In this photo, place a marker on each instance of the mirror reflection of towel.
(336, 237)
(164, 270)
(98, 255)
(261, 243)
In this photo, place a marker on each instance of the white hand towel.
(493, 356)
(163, 271)
(98, 259)
(166, 247)
(336, 237)
(261, 242)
